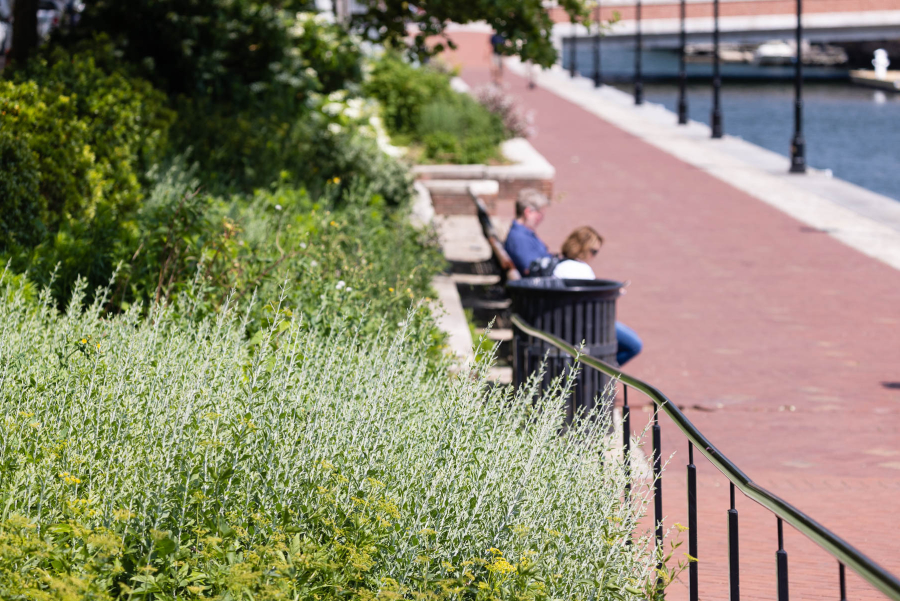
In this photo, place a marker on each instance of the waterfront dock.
(867, 78)
(769, 305)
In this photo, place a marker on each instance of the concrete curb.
(447, 309)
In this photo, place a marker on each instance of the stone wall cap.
(486, 187)
(450, 171)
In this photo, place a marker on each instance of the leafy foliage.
(340, 265)
(419, 104)
(149, 456)
(20, 216)
(83, 135)
(526, 24)
(403, 90)
(227, 50)
(460, 132)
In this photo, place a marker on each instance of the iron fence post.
(638, 50)
(798, 144)
(597, 69)
(682, 73)
(716, 117)
(573, 50)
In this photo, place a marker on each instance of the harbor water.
(853, 131)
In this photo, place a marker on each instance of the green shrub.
(420, 107)
(227, 50)
(243, 151)
(242, 75)
(461, 131)
(85, 136)
(167, 453)
(403, 90)
(20, 215)
(442, 147)
(340, 265)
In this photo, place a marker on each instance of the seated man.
(522, 244)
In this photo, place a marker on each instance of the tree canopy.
(195, 43)
(526, 24)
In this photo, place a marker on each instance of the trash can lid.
(552, 285)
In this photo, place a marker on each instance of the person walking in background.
(582, 245)
(522, 244)
(497, 42)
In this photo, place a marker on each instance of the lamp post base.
(638, 93)
(716, 124)
(798, 155)
(682, 112)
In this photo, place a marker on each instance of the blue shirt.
(524, 247)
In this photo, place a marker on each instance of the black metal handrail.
(842, 551)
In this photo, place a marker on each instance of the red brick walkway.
(782, 345)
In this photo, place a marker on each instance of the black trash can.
(576, 311)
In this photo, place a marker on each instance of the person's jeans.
(629, 343)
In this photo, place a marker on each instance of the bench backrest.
(507, 267)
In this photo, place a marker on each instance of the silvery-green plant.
(176, 425)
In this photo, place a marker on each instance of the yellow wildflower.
(501, 566)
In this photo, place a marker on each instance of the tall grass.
(163, 427)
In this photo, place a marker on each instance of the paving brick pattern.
(780, 343)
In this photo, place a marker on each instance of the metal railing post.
(693, 575)
(626, 440)
(657, 488)
(842, 579)
(781, 560)
(734, 566)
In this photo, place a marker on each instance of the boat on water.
(774, 53)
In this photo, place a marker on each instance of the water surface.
(853, 131)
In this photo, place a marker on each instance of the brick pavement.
(781, 344)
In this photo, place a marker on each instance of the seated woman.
(581, 245)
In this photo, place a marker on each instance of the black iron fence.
(846, 555)
(797, 143)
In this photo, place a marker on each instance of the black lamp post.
(682, 76)
(798, 144)
(573, 47)
(638, 48)
(598, 79)
(716, 117)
